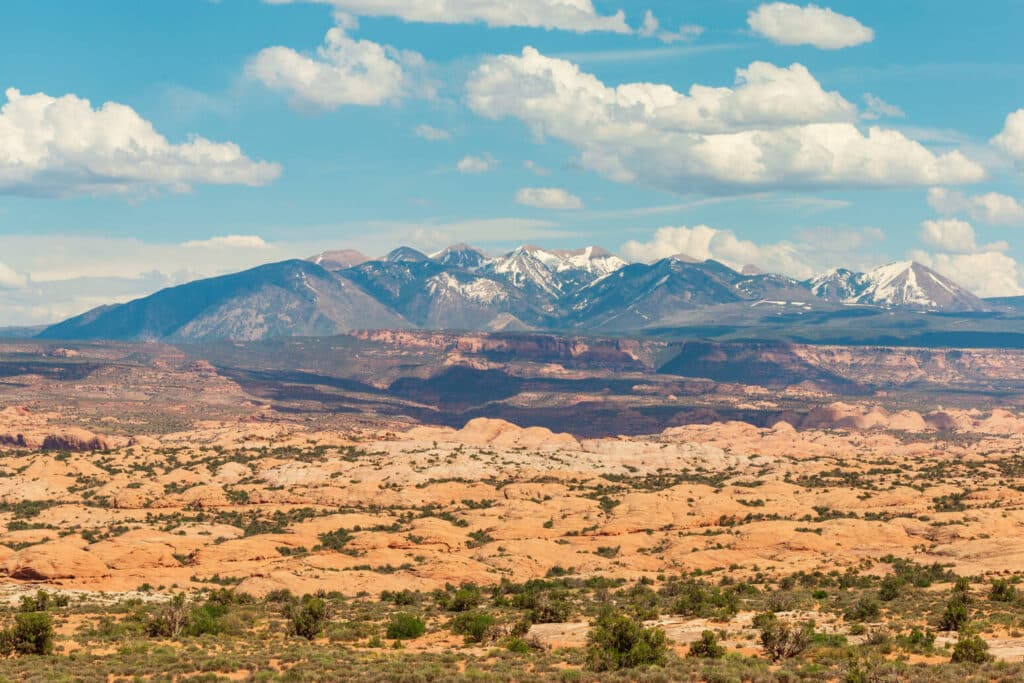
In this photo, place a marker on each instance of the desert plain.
(168, 511)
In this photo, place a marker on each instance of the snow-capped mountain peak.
(527, 288)
(904, 284)
(460, 256)
(593, 260)
(554, 271)
(527, 268)
(839, 284)
(406, 255)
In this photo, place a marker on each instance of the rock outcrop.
(53, 561)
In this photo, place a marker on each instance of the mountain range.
(586, 290)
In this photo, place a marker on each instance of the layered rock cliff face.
(840, 368)
(844, 368)
(522, 347)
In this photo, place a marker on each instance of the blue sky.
(241, 132)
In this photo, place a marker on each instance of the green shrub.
(478, 538)
(782, 640)
(472, 625)
(464, 599)
(206, 619)
(307, 617)
(917, 641)
(919, 575)
(169, 620)
(955, 615)
(962, 590)
(865, 609)
(890, 588)
(281, 595)
(616, 641)
(350, 631)
(698, 599)
(32, 634)
(836, 639)
(403, 598)
(641, 602)
(545, 607)
(42, 601)
(517, 645)
(335, 540)
(971, 649)
(1002, 591)
(707, 647)
(404, 626)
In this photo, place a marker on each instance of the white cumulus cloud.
(991, 207)
(428, 132)
(985, 273)
(548, 198)
(474, 164)
(553, 95)
(776, 128)
(570, 15)
(950, 234)
(812, 251)
(1011, 139)
(344, 71)
(788, 24)
(61, 146)
(703, 242)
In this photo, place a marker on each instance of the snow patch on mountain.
(460, 256)
(903, 284)
(477, 290)
(527, 268)
(593, 260)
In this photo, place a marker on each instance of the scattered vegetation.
(307, 616)
(781, 639)
(971, 649)
(707, 647)
(617, 641)
(405, 626)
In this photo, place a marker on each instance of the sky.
(148, 144)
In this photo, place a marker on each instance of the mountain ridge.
(529, 288)
(901, 283)
(277, 299)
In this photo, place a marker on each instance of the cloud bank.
(777, 128)
(787, 24)
(344, 71)
(579, 16)
(548, 198)
(61, 146)
(1011, 140)
(472, 165)
(991, 207)
(811, 254)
